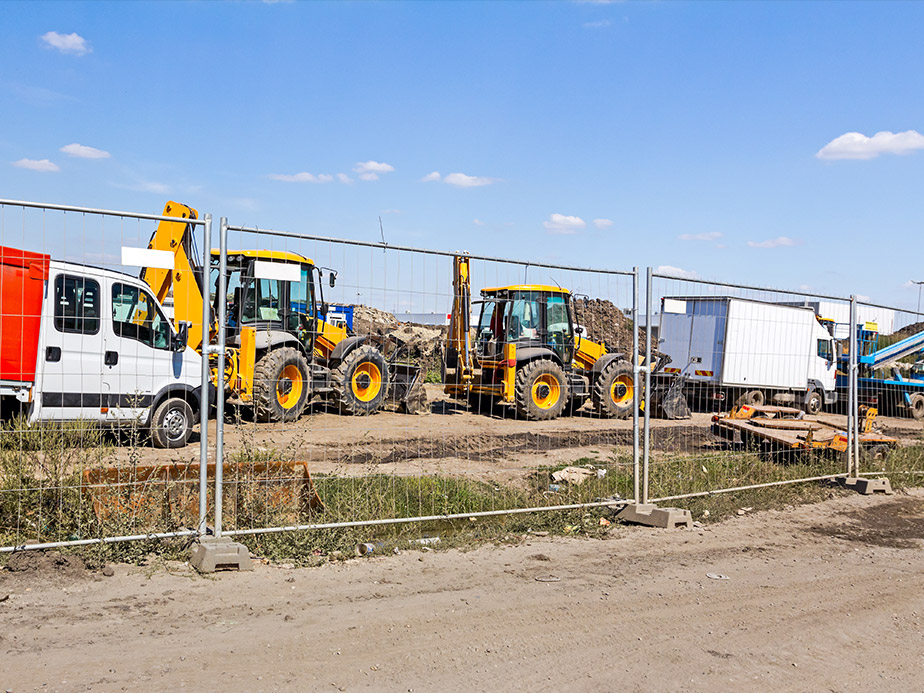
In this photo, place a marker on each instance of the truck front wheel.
(814, 403)
(172, 423)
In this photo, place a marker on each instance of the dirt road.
(824, 597)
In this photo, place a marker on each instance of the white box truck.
(746, 351)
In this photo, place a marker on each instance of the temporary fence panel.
(745, 391)
(890, 380)
(91, 370)
(375, 438)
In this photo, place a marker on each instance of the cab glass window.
(135, 315)
(824, 349)
(524, 321)
(76, 304)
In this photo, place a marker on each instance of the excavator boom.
(184, 280)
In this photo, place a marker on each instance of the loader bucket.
(669, 401)
(407, 387)
(167, 495)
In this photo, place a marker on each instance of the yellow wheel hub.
(546, 391)
(622, 389)
(366, 382)
(289, 387)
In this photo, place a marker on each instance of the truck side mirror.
(578, 330)
(181, 339)
(333, 280)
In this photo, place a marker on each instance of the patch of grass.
(44, 496)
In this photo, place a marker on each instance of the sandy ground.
(823, 597)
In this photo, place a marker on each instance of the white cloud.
(70, 44)
(708, 236)
(370, 170)
(564, 225)
(81, 151)
(863, 298)
(344, 178)
(430, 177)
(855, 145)
(678, 272)
(461, 180)
(778, 242)
(391, 211)
(303, 177)
(603, 223)
(600, 23)
(43, 165)
(477, 222)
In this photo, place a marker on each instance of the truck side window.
(76, 304)
(824, 349)
(135, 315)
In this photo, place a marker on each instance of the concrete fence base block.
(653, 516)
(211, 554)
(868, 487)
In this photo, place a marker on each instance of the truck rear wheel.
(172, 423)
(613, 391)
(281, 385)
(361, 381)
(917, 406)
(541, 390)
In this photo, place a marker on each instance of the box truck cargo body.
(731, 348)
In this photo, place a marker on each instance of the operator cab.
(528, 316)
(267, 290)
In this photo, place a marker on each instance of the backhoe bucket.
(669, 401)
(407, 388)
(168, 494)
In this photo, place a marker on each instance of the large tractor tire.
(361, 381)
(541, 390)
(613, 391)
(281, 385)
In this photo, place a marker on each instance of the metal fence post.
(635, 383)
(645, 464)
(853, 463)
(221, 291)
(204, 408)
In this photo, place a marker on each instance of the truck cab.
(104, 351)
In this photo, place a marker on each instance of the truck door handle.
(111, 358)
(52, 353)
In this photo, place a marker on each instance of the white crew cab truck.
(79, 342)
(746, 351)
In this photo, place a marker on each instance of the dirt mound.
(423, 343)
(909, 330)
(368, 320)
(606, 323)
(46, 563)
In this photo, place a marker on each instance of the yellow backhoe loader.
(527, 351)
(280, 351)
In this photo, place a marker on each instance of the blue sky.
(711, 138)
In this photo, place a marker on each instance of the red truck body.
(22, 289)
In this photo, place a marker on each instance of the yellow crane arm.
(460, 335)
(183, 279)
